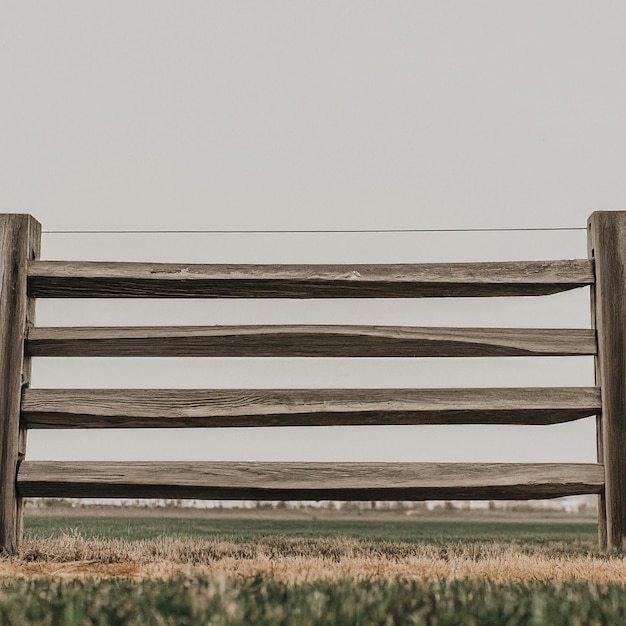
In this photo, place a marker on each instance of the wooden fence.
(25, 278)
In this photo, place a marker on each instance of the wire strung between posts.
(309, 232)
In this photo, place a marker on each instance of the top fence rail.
(84, 279)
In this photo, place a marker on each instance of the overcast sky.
(308, 116)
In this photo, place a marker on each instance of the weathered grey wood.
(308, 341)
(309, 481)
(597, 374)
(607, 234)
(150, 408)
(72, 279)
(19, 242)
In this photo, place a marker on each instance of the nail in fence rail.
(24, 279)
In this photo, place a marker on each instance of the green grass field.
(190, 599)
(573, 534)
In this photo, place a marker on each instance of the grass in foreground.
(145, 571)
(299, 551)
(186, 601)
(297, 560)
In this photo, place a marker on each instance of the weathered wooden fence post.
(607, 246)
(20, 237)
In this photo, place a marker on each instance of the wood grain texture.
(602, 539)
(73, 279)
(607, 234)
(150, 408)
(308, 341)
(308, 481)
(19, 241)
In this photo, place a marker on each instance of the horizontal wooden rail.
(151, 408)
(74, 279)
(308, 341)
(308, 481)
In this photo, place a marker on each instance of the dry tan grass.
(300, 560)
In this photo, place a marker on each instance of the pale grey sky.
(302, 114)
(315, 115)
